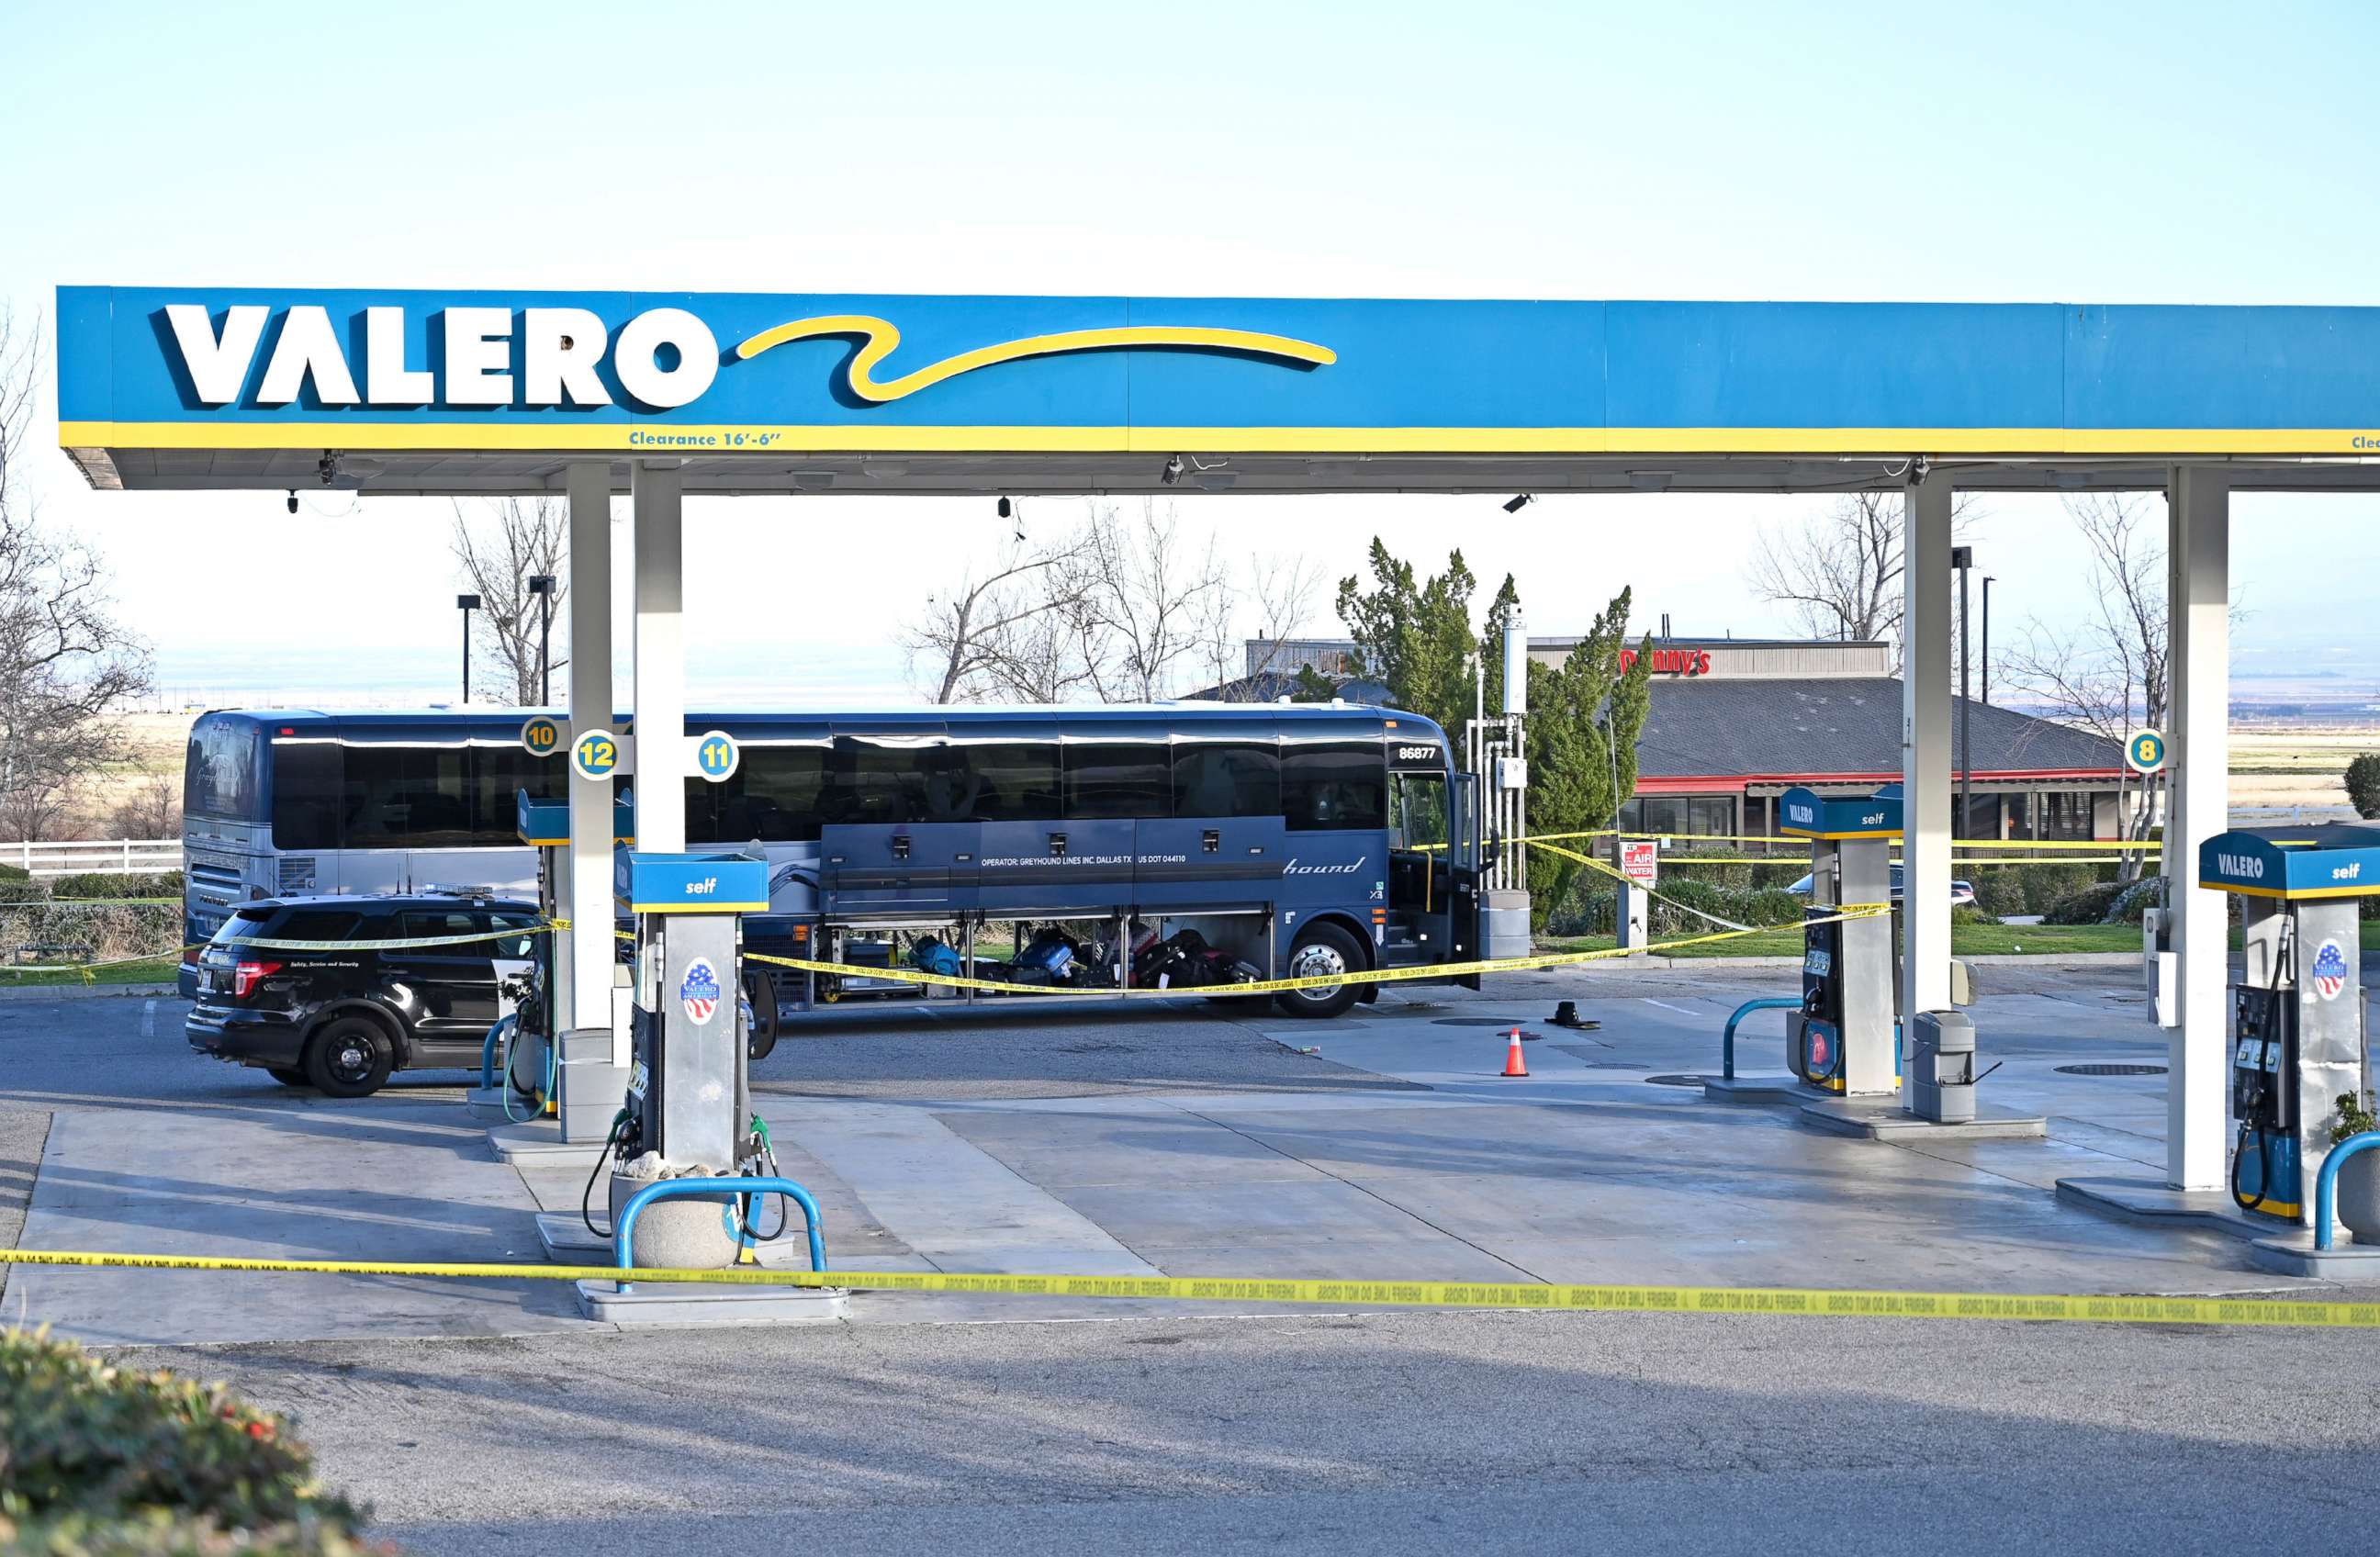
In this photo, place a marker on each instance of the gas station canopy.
(425, 392)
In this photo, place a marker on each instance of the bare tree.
(1277, 602)
(65, 660)
(152, 809)
(2109, 675)
(1124, 609)
(1840, 575)
(499, 549)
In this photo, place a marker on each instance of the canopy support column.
(585, 981)
(1926, 749)
(2198, 517)
(657, 703)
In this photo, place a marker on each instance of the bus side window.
(1226, 778)
(1113, 780)
(307, 776)
(1335, 785)
(1013, 781)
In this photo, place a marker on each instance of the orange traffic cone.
(1514, 1065)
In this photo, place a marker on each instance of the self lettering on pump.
(704, 888)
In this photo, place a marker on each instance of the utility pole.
(1987, 640)
(468, 603)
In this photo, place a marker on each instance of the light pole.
(1986, 655)
(1963, 558)
(542, 585)
(468, 603)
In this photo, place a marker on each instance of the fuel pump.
(2297, 1034)
(688, 1100)
(1841, 1039)
(586, 1083)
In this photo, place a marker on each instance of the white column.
(587, 976)
(658, 699)
(2198, 510)
(1926, 748)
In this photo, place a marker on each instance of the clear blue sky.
(2167, 153)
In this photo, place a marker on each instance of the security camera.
(293, 500)
(1172, 470)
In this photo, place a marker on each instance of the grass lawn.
(156, 969)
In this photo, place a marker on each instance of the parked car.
(342, 1019)
(1961, 892)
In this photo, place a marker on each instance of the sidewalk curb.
(83, 991)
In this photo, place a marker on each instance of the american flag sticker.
(698, 991)
(2330, 971)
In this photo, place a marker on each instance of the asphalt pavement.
(1478, 1432)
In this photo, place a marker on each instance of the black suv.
(341, 1021)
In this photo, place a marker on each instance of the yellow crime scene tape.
(1784, 1301)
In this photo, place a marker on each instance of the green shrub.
(2364, 785)
(1968, 914)
(15, 872)
(2047, 885)
(1999, 892)
(1771, 905)
(108, 885)
(2088, 906)
(158, 1534)
(82, 1441)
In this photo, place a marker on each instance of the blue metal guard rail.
(745, 1189)
(1727, 1040)
(487, 1052)
(2325, 1183)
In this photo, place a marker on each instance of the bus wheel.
(350, 1057)
(760, 994)
(1320, 951)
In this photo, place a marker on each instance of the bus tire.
(1321, 950)
(760, 994)
(349, 1057)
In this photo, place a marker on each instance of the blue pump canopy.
(546, 823)
(690, 883)
(1806, 814)
(2322, 860)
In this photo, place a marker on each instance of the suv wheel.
(1321, 950)
(288, 1076)
(351, 1056)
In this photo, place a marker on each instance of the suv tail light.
(245, 976)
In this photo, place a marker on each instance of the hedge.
(94, 1460)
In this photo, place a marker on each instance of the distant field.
(2296, 771)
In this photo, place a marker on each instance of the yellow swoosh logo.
(878, 337)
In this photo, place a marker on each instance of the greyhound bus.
(1189, 844)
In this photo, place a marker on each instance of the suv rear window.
(317, 924)
(243, 925)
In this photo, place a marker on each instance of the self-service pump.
(587, 1072)
(2297, 1035)
(1841, 1039)
(687, 1092)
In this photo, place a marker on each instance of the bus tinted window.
(1335, 785)
(1110, 781)
(219, 779)
(876, 780)
(1226, 778)
(1011, 782)
(773, 796)
(307, 778)
(439, 797)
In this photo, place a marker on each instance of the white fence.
(115, 856)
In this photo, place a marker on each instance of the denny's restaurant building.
(1736, 722)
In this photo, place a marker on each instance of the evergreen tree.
(1413, 635)
(2364, 785)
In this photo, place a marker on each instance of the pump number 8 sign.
(715, 755)
(2144, 753)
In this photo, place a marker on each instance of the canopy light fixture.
(1172, 470)
(1519, 502)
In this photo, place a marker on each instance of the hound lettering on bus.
(560, 351)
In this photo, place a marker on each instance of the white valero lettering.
(1294, 868)
(561, 353)
(217, 364)
(307, 347)
(2248, 865)
(640, 375)
(559, 350)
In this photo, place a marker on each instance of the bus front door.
(1422, 899)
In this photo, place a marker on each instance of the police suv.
(341, 1015)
